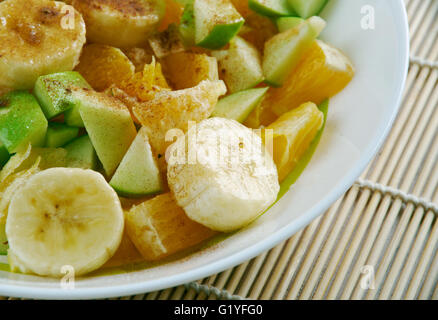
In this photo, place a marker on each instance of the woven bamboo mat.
(379, 240)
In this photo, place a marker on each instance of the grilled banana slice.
(221, 174)
(63, 217)
(37, 37)
(120, 23)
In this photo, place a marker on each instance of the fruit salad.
(135, 130)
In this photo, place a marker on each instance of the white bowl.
(358, 122)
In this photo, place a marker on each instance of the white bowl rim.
(252, 251)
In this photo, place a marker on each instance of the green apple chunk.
(21, 121)
(220, 35)
(109, 125)
(58, 134)
(216, 22)
(72, 117)
(186, 27)
(271, 8)
(239, 105)
(239, 66)
(46, 158)
(286, 23)
(3, 240)
(308, 8)
(81, 153)
(4, 155)
(49, 157)
(54, 94)
(137, 174)
(284, 50)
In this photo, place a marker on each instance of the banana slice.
(37, 37)
(63, 217)
(120, 23)
(221, 174)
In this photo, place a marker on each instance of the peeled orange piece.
(173, 14)
(159, 228)
(186, 69)
(292, 134)
(127, 253)
(323, 72)
(103, 66)
(143, 85)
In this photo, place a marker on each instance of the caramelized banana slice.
(37, 37)
(120, 23)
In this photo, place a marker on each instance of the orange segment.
(186, 70)
(143, 85)
(159, 228)
(173, 14)
(261, 115)
(103, 66)
(127, 253)
(292, 134)
(321, 74)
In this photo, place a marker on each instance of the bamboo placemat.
(380, 239)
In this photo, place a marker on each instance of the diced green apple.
(271, 8)
(137, 174)
(46, 157)
(220, 35)
(21, 121)
(187, 25)
(210, 24)
(240, 65)
(72, 117)
(58, 134)
(54, 94)
(49, 158)
(81, 153)
(283, 51)
(308, 8)
(286, 23)
(239, 105)
(109, 125)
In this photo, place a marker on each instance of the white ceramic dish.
(359, 120)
